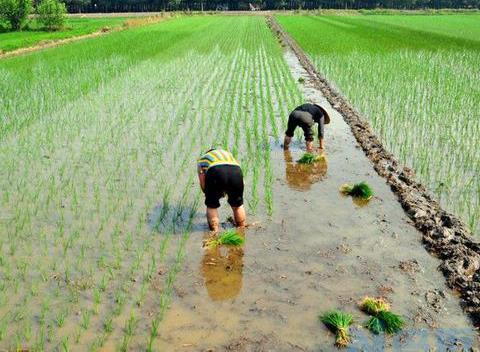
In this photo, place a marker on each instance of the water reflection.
(300, 177)
(222, 270)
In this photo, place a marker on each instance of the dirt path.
(444, 234)
(318, 251)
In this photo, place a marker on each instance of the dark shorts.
(224, 180)
(302, 119)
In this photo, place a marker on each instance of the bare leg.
(320, 142)
(239, 215)
(310, 146)
(286, 142)
(213, 220)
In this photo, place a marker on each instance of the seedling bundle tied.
(229, 238)
(310, 158)
(338, 322)
(382, 321)
(358, 190)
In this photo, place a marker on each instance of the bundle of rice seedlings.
(360, 190)
(229, 237)
(338, 322)
(373, 306)
(383, 321)
(310, 158)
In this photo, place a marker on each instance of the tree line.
(238, 5)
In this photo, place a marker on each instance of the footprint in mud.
(222, 270)
(301, 177)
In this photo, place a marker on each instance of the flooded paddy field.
(102, 220)
(415, 80)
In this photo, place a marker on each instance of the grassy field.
(74, 27)
(98, 172)
(416, 79)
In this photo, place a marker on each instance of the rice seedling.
(338, 322)
(229, 238)
(359, 190)
(310, 158)
(382, 321)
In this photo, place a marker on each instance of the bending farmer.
(306, 116)
(219, 174)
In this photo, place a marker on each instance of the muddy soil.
(444, 235)
(319, 251)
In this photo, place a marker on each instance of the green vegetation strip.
(74, 27)
(416, 79)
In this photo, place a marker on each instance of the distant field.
(74, 27)
(416, 78)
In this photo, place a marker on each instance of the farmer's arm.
(201, 178)
(321, 131)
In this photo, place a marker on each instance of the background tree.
(15, 12)
(52, 14)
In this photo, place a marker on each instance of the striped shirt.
(216, 157)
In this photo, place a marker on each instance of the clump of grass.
(310, 158)
(382, 321)
(338, 322)
(229, 237)
(360, 190)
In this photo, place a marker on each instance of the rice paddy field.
(102, 225)
(416, 79)
(105, 130)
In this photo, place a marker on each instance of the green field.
(416, 79)
(74, 27)
(104, 130)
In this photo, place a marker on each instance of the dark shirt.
(313, 110)
(317, 115)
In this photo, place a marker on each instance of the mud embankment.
(444, 234)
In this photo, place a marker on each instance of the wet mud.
(444, 235)
(318, 251)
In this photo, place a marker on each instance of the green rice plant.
(85, 319)
(229, 238)
(310, 158)
(382, 320)
(359, 190)
(60, 318)
(65, 344)
(108, 324)
(338, 322)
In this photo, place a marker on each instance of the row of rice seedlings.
(165, 297)
(185, 196)
(423, 116)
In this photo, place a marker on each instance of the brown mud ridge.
(45, 44)
(444, 234)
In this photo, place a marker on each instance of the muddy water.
(319, 251)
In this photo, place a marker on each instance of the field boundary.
(444, 234)
(129, 23)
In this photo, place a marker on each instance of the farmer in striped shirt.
(219, 174)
